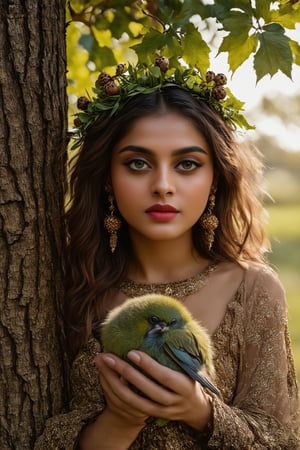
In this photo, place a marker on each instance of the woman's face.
(161, 174)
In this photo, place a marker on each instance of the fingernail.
(109, 361)
(134, 357)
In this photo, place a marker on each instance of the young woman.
(162, 191)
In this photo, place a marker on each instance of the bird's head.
(147, 316)
(162, 318)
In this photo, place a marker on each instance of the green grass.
(284, 230)
(284, 221)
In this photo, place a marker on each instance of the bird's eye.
(173, 322)
(153, 319)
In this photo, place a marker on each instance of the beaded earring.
(112, 224)
(208, 221)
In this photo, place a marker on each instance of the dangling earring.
(208, 221)
(112, 224)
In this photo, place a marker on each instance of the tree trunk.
(33, 114)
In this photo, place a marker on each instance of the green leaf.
(188, 9)
(222, 8)
(262, 10)
(274, 53)
(295, 47)
(287, 16)
(152, 42)
(239, 48)
(86, 41)
(172, 45)
(237, 22)
(167, 9)
(195, 49)
(102, 57)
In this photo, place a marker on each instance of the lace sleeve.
(61, 432)
(264, 413)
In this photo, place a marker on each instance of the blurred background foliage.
(100, 34)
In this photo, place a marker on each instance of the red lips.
(162, 213)
(161, 208)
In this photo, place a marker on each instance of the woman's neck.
(163, 261)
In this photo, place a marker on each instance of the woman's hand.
(169, 394)
(122, 401)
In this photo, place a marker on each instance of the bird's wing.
(190, 362)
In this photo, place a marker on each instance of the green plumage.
(164, 329)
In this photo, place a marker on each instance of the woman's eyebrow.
(178, 152)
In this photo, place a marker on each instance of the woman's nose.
(163, 183)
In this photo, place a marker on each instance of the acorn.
(210, 76)
(219, 92)
(77, 122)
(120, 69)
(220, 79)
(111, 88)
(83, 103)
(104, 78)
(163, 63)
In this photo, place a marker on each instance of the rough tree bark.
(33, 114)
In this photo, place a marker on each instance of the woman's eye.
(188, 165)
(137, 164)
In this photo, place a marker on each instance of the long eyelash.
(127, 163)
(195, 163)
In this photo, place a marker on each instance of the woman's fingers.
(171, 379)
(160, 389)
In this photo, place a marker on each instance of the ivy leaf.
(195, 49)
(274, 53)
(239, 48)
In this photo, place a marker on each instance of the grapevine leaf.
(239, 48)
(274, 53)
(195, 49)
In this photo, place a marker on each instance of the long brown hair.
(93, 272)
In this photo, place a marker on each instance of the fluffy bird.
(164, 329)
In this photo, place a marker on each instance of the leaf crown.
(113, 92)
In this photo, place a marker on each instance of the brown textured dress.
(254, 372)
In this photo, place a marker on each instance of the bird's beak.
(158, 329)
